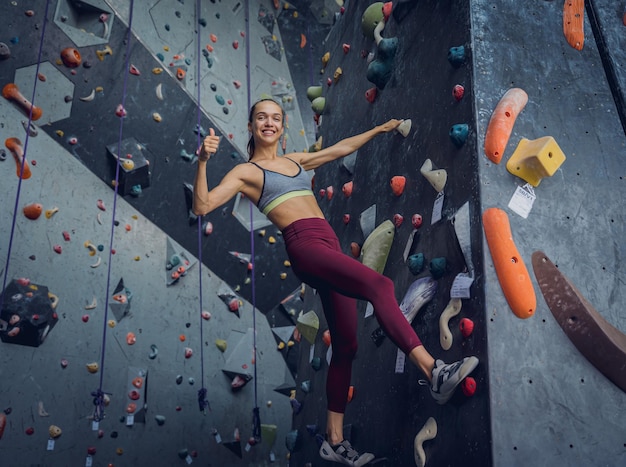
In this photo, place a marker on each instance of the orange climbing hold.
(501, 123)
(347, 189)
(326, 337)
(32, 211)
(213, 38)
(180, 74)
(302, 41)
(397, 184)
(131, 338)
(15, 146)
(574, 23)
(12, 92)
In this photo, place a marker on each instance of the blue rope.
(19, 183)
(203, 403)
(99, 394)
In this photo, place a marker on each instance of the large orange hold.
(33, 210)
(15, 146)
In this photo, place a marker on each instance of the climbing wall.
(389, 406)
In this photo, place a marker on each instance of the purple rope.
(19, 183)
(256, 419)
(99, 394)
(203, 403)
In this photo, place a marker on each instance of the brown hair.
(251, 140)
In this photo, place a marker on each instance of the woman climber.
(281, 189)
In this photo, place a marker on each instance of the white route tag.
(437, 208)
(522, 200)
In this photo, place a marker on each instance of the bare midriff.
(291, 210)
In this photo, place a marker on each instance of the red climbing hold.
(347, 188)
(134, 70)
(326, 338)
(329, 192)
(416, 220)
(458, 92)
(397, 220)
(355, 249)
(397, 184)
(370, 95)
(387, 6)
(466, 326)
(346, 218)
(57, 249)
(346, 48)
(468, 386)
(235, 45)
(322, 192)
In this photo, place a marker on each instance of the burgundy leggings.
(339, 279)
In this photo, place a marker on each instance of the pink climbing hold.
(120, 111)
(134, 70)
(188, 352)
(329, 192)
(101, 205)
(233, 305)
(57, 249)
(322, 192)
(346, 218)
(235, 45)
(213, 38)
(237, 84)
(85, 318)
(346, 48)
(66, 236)
(416, 220)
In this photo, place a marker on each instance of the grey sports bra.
(278, 187)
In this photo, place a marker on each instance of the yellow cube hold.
(535, 159)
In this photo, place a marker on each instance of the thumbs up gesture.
(209, 146)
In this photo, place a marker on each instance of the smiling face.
(266, 122)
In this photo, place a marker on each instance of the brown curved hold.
(594, 337)
(15, 146)
(574, 23)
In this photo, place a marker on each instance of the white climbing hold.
(436, 177)
(428, 432)
(90, 97)
(451, 310)
(404, 128)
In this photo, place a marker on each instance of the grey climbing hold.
(160, 419)
(153, 352)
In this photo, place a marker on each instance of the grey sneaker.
(344, 453)
(446, 377)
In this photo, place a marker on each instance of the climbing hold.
(180, 74)
(306, 386)
(101, 206)
(154, 351)
(371, 94)
(316, 363)
(379, 70)
(313, 92)
(179, 379)
(377, 246)
(468, 386)
(157, 70)
(466, 326)
(296, 405)
(85, 318)
(51, 212)
(346, 48)
(188, 352)
(350, 393)
(325, 59)
(436, 177)
(326, 338)
(205, 315)
(157, 118)
(93, 367)
(501, 123)
(137, 382)
(213, 38)
(87, 98)
(5, 52)
(574, 23)
(308, 324)
(456, 56)
(459, 133)
(416, 220)
(11, 92)
(404, 128)
(370, 19)
(131, 338)
(337, 74)
(347, 189)
(134, 395)
(292, 440)
(318, 105)
(428, 432)
(120, 111)
(54, 431)
(458, 91)
(397, 183)
(102, 53)
(71, 57)
(420, 292)
(346, 218)
(29, 431)
(508, 263)
(302, 41)
(330, 192)
(32, 211)
(415, 263)
(134, 70)
(397, 220)
(536, 159)
(22, 168)
(111, 323)
(160, 419)
(450, 311)
(207, 228)
(271, 240)
(57, 249)
(437, 267)
(131, 408)
(355, 249)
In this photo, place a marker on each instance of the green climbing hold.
(220, 100)
(221, 344)
(308, 324)
(305, 386)
(415, 263)
(437, 267)
(316, 363)
(370, 19)
(313, 92)
(456, 56)
(377, 245)
(318, 105)
(268, 434)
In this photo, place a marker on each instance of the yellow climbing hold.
(325, 58)
(137, 258)
(51, 212)
(536, 159)
(281, 345)
(157, 70)
(60, 133)
(271, 240)
(157, 117)
(93, 367)
(283, 275)
(221, 344)
(111, 323)
(287, 263)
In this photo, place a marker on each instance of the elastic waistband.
(306, 225)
